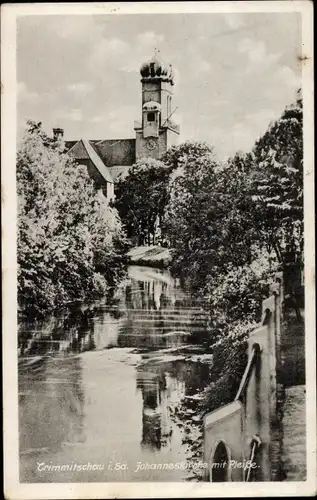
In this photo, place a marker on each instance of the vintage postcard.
(158, 250)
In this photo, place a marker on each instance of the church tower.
(157, 131)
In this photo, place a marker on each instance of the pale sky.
(234, 73)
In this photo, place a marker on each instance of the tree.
(231, 226)
(223, 218)
(209, 216)
(278, 195)
(66, 230)
(178, 156)
(141, 198)
(278, 183)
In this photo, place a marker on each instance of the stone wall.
(164, 141)
(159, 92)
(274, 400)
(294, 434)
(141, 146)
(292, 370)
(225, 426)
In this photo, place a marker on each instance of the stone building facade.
(108, 160)
(266, 423)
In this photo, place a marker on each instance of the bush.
(70, 242)
(238, 294)
(230, 357)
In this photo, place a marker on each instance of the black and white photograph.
(158, 249)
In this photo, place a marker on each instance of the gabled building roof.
(83, 150)
(97, 161)
(111, 158)
(79, 151)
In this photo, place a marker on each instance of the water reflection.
(149, 295)
(156, 424)
(74, 389)
(43, 386)
(69, 332)
(152, 313)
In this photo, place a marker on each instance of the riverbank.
(153, 256)
(141, 352)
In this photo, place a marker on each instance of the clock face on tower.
(151, 144)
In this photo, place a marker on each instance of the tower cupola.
(156, 70)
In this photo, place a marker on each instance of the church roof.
(111, 157)
(79, 151)
(97, 161)
(83, 150)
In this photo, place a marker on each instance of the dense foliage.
(209, 210)
(70, 242)
(231, 226)
(141, 198)
(278, 183)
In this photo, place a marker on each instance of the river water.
(109, 392)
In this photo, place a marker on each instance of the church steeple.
(156, 132)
